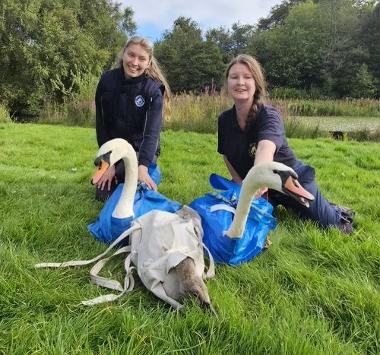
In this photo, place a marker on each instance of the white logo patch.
(139, 101)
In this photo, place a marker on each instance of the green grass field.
(312, 292)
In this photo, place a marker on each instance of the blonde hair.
(154, 71)
(260, 96)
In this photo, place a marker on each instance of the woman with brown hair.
(130, 102)
(252, 132)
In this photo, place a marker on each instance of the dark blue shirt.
(130, 109)
(240, 146)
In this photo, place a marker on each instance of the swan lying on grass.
(183, 279)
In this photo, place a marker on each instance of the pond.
(341, 123)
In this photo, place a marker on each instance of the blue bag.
(107, 228)
(217, 212)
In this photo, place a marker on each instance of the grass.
(312, 292)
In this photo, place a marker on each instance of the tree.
(190, 62)
(277, 15)
(49, 46)
(231, 42)
(370, 37)
(128, 24)
(292, 54)
(316, 47)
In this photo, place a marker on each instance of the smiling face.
(135, 60)
(240, 83)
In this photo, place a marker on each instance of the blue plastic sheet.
(215, 209)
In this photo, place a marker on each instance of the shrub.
(4, 114)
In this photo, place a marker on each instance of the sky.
(153, 17)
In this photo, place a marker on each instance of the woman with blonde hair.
(253, 131)
(130, 103)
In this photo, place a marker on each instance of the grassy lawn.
(312, 292)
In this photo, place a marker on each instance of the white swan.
(273, 175)
(183, 280)
(109, 154)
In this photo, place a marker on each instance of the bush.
(4, 114)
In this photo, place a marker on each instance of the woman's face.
(135, 60)
(240, 83)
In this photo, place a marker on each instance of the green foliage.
(370, 37)
(49, 46)
(312, 292)
(79, 111)
(128, 24)
(318, 46)
(190, 63)
(364, 84)
(4, 114)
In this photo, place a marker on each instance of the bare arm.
(235, 176)
(265, 151)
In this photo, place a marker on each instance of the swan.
(109, 154)
(183, 280)
(274, 175)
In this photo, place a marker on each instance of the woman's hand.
(106, 179)
(144, 176)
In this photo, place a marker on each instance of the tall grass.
(199, 113)
(312, 292)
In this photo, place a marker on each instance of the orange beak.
(100, 170)
(295, 190)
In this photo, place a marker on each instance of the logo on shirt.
(252, 150)
(139, 101)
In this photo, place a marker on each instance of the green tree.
(49, 46)
(316, 47)
(189, 61)
(128, 24)
(231, 42)
(292, 54)
(364, 84)
(370, 37)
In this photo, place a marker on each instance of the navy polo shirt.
(240, 146)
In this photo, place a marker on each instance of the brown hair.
(154, 71)
(260, 97)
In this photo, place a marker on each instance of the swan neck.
(124, 207)
(247, 195)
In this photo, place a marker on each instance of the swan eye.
(98, 162)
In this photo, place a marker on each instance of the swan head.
(273, 175)
(279, 177)
(110, 153)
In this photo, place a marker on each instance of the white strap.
(129, 282)
(102, 281)
(86, 262)
(222, 207)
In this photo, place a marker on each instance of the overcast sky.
(155, 16)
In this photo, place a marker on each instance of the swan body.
(274, 175)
